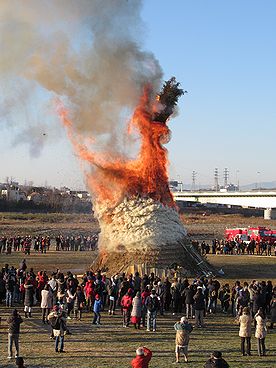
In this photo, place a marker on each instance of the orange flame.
(147, 175)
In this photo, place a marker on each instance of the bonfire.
(140, 226)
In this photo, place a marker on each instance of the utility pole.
(216, 177)
(226, 176)
(193, 180)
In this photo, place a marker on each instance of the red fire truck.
(236, 234)
(259, 233)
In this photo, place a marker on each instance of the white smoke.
(139, 224)
(87, 52)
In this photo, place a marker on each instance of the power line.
(193, 180)
(216, 177)
(226, 177)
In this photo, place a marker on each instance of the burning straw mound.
(142, 234)
(140, 224)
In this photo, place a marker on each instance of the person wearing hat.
(142, 359)
(126, 304)
(20, 362)
(216, 361)
(97, 310)
(183, 329)
(57, 321)
(14, 322)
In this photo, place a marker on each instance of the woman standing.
(46, 302)
(136, 310)
(245, 321)
(79, 300)
(29, 298)
(260, 332)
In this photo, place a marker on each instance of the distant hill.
(261, 185)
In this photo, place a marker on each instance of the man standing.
(183, 329)
(14, 322)
(152, 305)
(199, 306)
(143, 356)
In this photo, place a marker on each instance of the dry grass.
(112, 346)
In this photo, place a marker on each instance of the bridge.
(265, 200)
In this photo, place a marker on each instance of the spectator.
(126, 304)
(46, 302)
(152, 305)
(245, 321)
(97, 309)
(273, 309)
(14, 322)
(260, 332)
(199, 306)
(183, 329)
(216, 361)
(143, 357)
(58, 323)
(29, 299)
(136, 310)
(20, 362)
(79, 301)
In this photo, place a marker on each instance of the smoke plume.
(87, 52)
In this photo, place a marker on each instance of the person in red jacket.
(89, 291)
(126, 304)
(143, 356)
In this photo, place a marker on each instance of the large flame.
(114, 178)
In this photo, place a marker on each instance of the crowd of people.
(140, 300)
(43, 243)
(236, 247)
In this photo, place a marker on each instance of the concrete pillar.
(270, 214)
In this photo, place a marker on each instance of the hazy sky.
(224, 55)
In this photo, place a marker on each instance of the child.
(96, 309)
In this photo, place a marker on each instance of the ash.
(139, 224)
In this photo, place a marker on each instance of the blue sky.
(224, 55)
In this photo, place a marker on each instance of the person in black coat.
(199, 307)
(216, 361)
(188, 298)
(14, 322)
(29, 299)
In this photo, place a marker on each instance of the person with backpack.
(152, 305)
(58, 323)
(183, 329)
(126, 304)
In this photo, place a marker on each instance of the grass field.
(110, 345)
